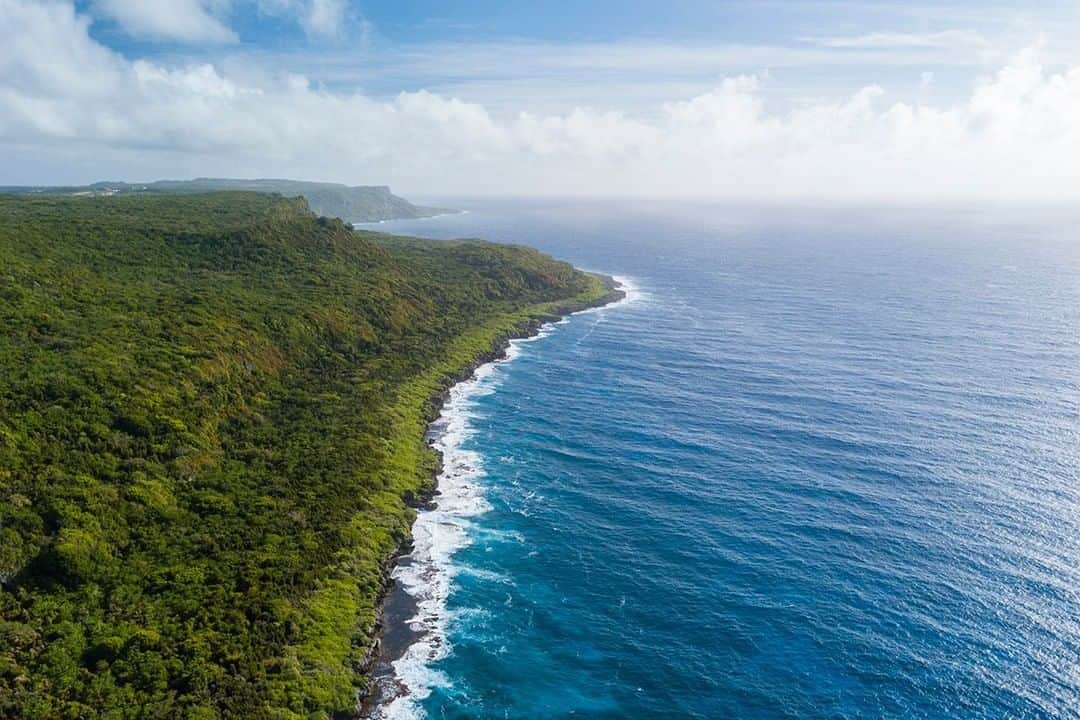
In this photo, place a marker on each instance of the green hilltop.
(211, 426)
(353, 204)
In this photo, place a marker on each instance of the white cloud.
(201, 21)
(324, 18)
(189, 21)
(631, 76)
(534, 59)
(945, 40)
(319, 18)
(1015, 134)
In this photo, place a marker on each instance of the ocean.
(823, 462)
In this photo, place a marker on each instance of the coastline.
(360, 224)
(395, 634)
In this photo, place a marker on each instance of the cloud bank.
(67, 101)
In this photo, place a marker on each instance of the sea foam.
(439, 534)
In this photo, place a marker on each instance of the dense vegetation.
(363, 203)
(211, 410)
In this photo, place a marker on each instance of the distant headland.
(353, 204)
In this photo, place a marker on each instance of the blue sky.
(683, 96)
(809, 46)
(744, 21)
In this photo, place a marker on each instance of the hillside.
(211, 417)
(359, 204)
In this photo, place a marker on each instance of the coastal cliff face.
(211, 430)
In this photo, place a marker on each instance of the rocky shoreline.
(391, 635)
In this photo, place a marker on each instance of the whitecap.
(632, 293)
(630, 287)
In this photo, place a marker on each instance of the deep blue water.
(827, 465)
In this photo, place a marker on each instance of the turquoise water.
(825, 463)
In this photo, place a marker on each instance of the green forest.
(212, 410)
